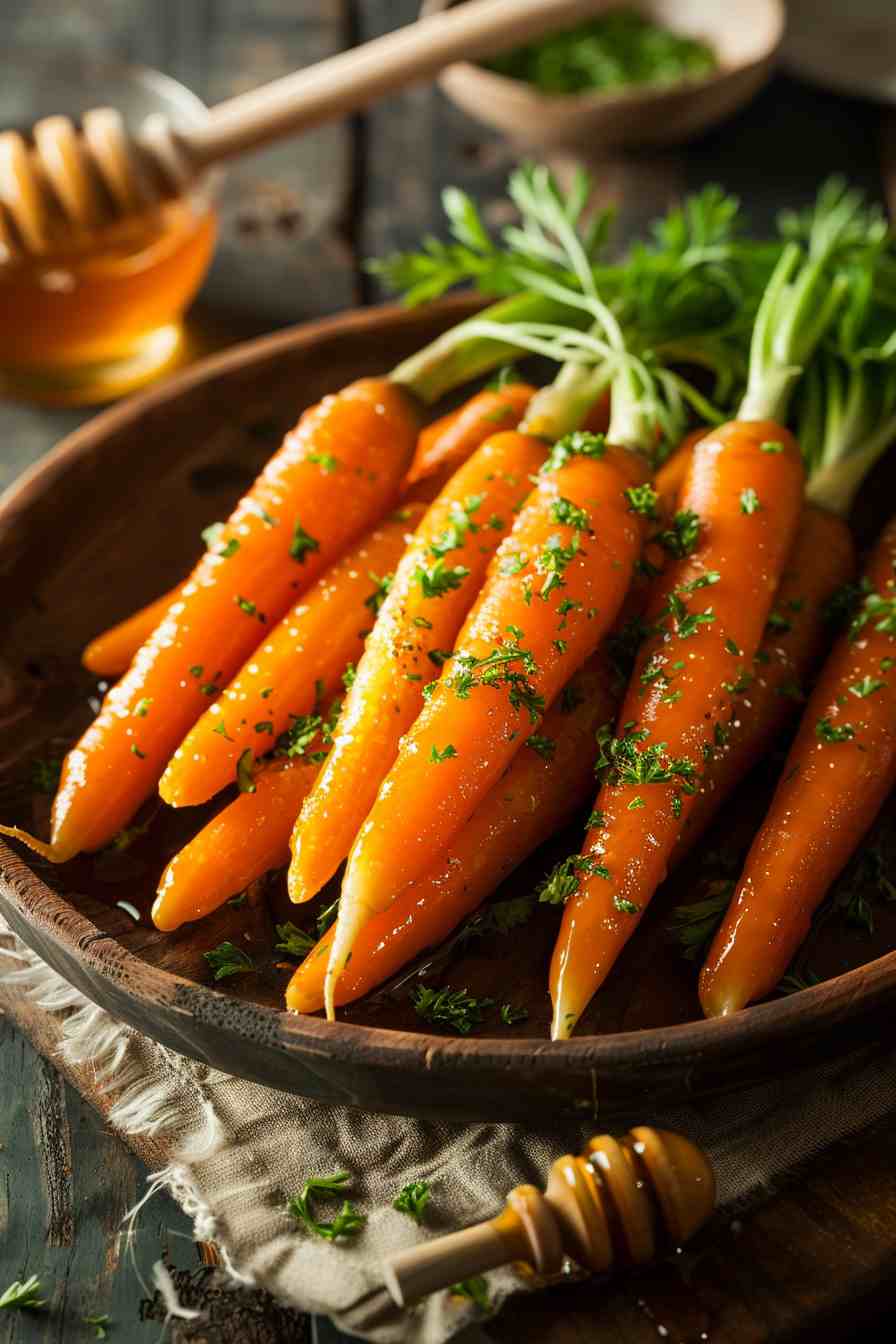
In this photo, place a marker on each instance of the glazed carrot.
(243, 842)
(454, 437)
(541, 791)
(433, 589)
(299, 664)
(111, 653)
(707, 614)
(839, 771)
(552, 593)
(337, 471)
(823, 559)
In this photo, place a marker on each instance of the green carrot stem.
(464, 353)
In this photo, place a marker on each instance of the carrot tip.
(717, 1001)
(563, 1023)
(53, 853)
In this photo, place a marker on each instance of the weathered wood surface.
(814, 1262)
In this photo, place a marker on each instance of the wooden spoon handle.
(352, 79)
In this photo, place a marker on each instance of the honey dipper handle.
(352, 79)
(420, 1270)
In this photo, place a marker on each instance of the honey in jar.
(99, 314)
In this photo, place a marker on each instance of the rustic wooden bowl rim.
(77, 940)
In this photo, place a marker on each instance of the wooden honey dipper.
(615, 1204)
(63, 180)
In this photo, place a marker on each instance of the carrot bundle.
(553, 591)
(545, 784)
(441, 447)
(299, 665)
(707, 621)
(432, 591)
(266, 554)
(840, 769)
(742, 499)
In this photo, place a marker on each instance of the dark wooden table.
(816, 1261)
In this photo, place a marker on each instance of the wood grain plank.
(52, 1140)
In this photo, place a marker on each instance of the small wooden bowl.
(745, 34)
(112, 518)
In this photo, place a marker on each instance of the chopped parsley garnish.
(326, 461)
(293, 940)
(249, 608)
(221, 730)
(636, 803)
(867, 686)
(642, 499)
(578, 444)
(545, 746)
(771, 446)
(749, 500)
(513, 564)
(45, 775)
(141, 709)
(436, 756)
(196, 670)
(461, 524)
(225, 960)
(412, 1199)
(564, 511)
(99, 1325)
(135, 751)
(23, 1296)
(302, 543)
(453, 1008)
(296, 740)
(877, 611)
(495, 670)
(563, 881)
(421, 623)
(681, 538)
(731, 647)
(687, 623)
(625, 907)
(777, 622)
(440, 578)
(553, 562)
(511, 1015)
(381, 586)
(626, 762)
(501, 916)
(347, 1223)
(826, 731)
(595, 820)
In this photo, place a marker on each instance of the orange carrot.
(441, 448)
(744, 486)
(299, 664)
(552, 593)
(433, 589)
(111, 653)
(840, 769)
(243, 842)
(540, 792)
(337, 472)
(454, 437)
(823, 559)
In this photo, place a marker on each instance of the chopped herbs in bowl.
(604, 54)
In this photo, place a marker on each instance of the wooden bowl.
(745, 34)
(110, 519)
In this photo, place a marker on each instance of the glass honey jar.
(97, 313)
